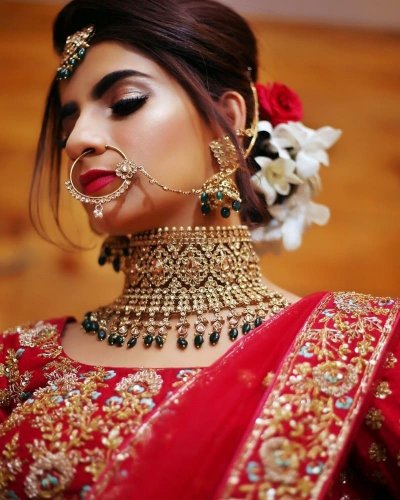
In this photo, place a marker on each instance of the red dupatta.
(273, 418)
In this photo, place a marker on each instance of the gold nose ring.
(125, 170)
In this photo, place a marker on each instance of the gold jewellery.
(220, 190)
(186, 274)
(125, 170)
(74, 52)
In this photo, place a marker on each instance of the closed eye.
(125, 107)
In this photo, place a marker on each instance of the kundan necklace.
(177, 273)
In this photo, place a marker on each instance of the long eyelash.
(127, 106)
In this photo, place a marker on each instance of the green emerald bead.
(233, 333)
(198, 341)
(205, 208)
(63, 74)
(219, 195)
(87, 325)
(81, 52)
(25, 395)
(111, 339)
(258, 321)
(204, 197)
(73, 61)
(182, 343)
(214, 338)
(236, 205)
(225, 212)
(94, 326)
(246, 328)
(102, 260)
(148, 340)
(101, 334)
(159, 341)
(116, 264)
(119, 340)
(131, 342)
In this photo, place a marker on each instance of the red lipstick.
(95, 179)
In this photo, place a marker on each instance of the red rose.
(278, 103)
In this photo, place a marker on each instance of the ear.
(233, 106)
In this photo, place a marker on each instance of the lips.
(94, 180)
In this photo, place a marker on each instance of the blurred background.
(342, 58)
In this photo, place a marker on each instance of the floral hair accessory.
(289, 156)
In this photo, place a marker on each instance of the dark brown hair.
(207, 47)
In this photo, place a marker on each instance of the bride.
(202, 379)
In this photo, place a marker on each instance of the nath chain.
(179, 273)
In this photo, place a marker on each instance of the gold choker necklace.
(181, 272)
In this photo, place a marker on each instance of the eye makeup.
(128, 105)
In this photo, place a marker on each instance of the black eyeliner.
(128, 105)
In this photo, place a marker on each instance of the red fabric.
(175, 441)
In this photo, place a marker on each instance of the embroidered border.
(307, 418)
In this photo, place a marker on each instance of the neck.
(186, 273)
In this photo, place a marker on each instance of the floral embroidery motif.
(16, 381)
(293, 446)
(382, 390)
(374, 419)
(10, 463)
(377, 452)
(49, 475)
(390, 361)
(74, 419)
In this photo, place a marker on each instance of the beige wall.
(346, 78)
(373, 13)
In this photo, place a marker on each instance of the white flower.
(307, 145)
(291, 218)
(275, 177)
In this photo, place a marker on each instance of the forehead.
(104, 58)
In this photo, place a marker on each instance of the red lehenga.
(305, 406)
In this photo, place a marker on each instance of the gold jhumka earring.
(220, 190)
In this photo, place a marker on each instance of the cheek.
(171, 142)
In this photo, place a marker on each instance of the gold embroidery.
(16, 381)
(390, 361)
(49, 475)
(377, 452)
(374, 418)
(295, 442)
(382, 390)
(10, 463)
(71, 413)
(268, 379)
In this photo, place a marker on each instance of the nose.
(86, 134)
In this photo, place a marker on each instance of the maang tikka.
(74, 52)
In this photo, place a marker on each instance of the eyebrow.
(108, 81)
(101, 88)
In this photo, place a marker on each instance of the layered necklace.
(206, 278)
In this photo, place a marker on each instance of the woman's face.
(119, 97)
